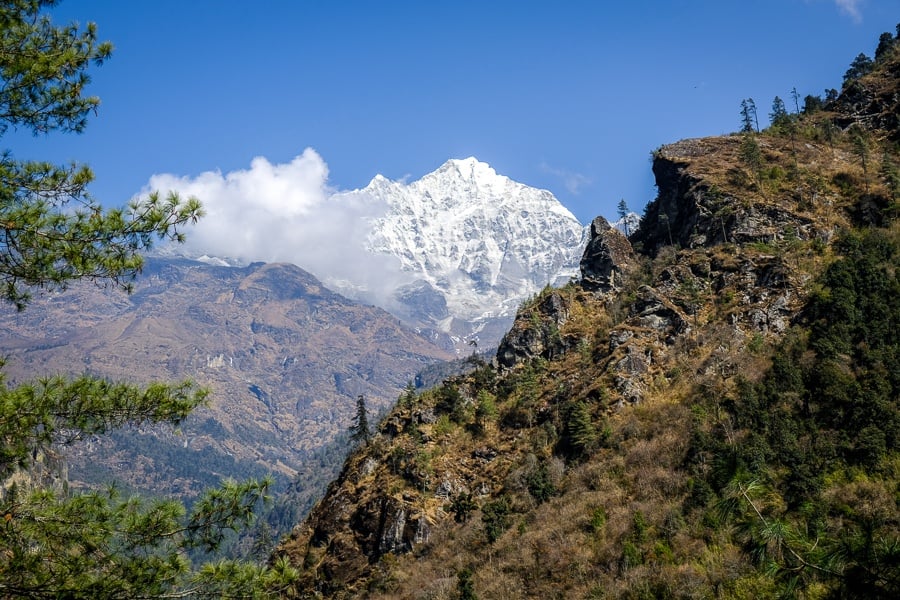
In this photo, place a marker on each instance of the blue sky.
(568, 96)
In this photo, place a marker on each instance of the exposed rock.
(607, 257)
(657, 313)
(536, 332)
(691, 212)
(631, 369)
(872, 101)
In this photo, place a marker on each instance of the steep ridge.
(476, 244)
(284, 357)
(710, 412)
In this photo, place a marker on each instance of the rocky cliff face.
(694, 209)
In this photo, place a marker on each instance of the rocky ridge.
(718, 271)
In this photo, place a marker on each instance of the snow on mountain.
(475, 244)
(628, 224)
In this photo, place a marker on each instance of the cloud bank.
(288, 213)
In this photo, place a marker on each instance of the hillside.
(284, 358)
(711, 411)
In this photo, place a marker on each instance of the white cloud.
(287, 213)
(571, 181)
(851, 8)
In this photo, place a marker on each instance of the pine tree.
(465, 587)
(746, 118)
(53, 232)
(795, 95)
(751, 106)
(812, 104)
(751, 155)
(580, 429)
(485, 409)
(623, 214)
(93, 544)
(860, 66)
(779, 115)
(359, 431)
(885, 43)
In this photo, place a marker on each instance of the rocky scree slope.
(607, 453)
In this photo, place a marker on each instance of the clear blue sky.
(568, 96)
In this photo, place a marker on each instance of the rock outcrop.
(694, 211)
(536, 332)
(607, 259)
(872, 101)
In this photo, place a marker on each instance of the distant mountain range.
(285, 359)
(284, 355)
(452, 254)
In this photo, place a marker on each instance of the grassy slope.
(761, 461)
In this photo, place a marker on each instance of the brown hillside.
(571, 469)
(284, 357)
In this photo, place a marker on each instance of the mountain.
(474, 245)
(284, 357)
(711, 411)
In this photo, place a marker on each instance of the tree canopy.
(52, 232)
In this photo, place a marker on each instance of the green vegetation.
(819, 433)
(359, 431)
(749, 120)
(97, 544)
(725, 425)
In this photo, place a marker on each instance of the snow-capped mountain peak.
(474, 244)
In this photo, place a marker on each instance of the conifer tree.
(359, 431)
(485, 409)
(580, 428)
(779, 114)
(91, 544)
(752, 106)
(623, 214)
(891, 174)
(751, 155)
(860, 66)
(812, 104)
(885, 43)
(861, 147)
(795, 95)
(748, 116)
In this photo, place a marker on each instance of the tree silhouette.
(359, 431)
(779, 114)
(748, 116)
(623, 214)
(860, 66)
(795, 95)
